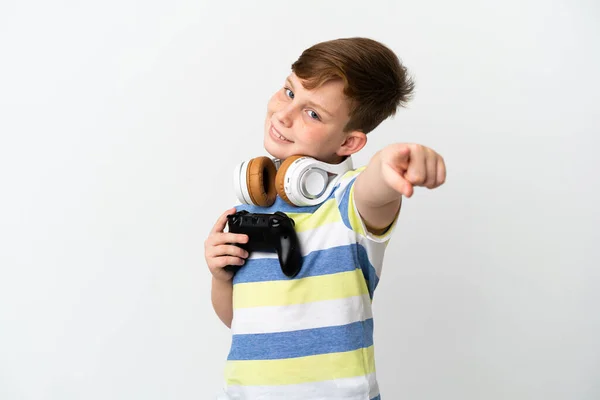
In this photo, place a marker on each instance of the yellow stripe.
(356, 220)
(351, 174)
(325, 214)
(301, 369)
(298, 291)
(328, 211)
(353, 216)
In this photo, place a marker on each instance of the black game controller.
(269, 232)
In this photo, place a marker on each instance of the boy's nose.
(285, 116)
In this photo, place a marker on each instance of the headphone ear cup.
(280, 178)
(260, 180)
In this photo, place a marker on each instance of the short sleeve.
(344, 195)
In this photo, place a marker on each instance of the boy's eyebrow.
(310, 103)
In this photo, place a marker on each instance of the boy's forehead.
(330, 94)
(294, 78)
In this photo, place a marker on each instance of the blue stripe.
(367, 269)
(307, 342)
(344, 204)
(281, 205)
(376, 398)
(320, 262)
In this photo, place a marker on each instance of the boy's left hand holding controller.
(220, 251)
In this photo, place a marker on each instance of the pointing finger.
(397, 182)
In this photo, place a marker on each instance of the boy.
(311, 336)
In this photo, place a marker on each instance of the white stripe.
(330, 235)
(355, 388)
(294, 317)
(333, 235)
(374, 391)
(375, 253)
(344, 182)
(338, 234)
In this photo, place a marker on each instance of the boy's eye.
(289, 93)
(313, 115)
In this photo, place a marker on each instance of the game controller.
(269, 232)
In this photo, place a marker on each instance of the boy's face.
(308, 122)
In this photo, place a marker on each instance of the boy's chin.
(276, 151)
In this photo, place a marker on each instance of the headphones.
(299, 180)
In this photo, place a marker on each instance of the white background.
(120, 125)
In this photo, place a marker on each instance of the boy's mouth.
(275, 133)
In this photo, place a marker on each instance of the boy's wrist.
(223, 282)
(380, 192)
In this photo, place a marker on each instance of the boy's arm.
(220, 250)
(222, 300)
(391, 174)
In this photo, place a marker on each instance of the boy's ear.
(354, 141)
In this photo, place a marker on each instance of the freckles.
(275, 104)
(303, 126)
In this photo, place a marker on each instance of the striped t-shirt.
(309, 337)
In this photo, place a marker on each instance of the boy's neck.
(279, 161)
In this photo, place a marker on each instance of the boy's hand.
(220, 251)
(404, 166)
